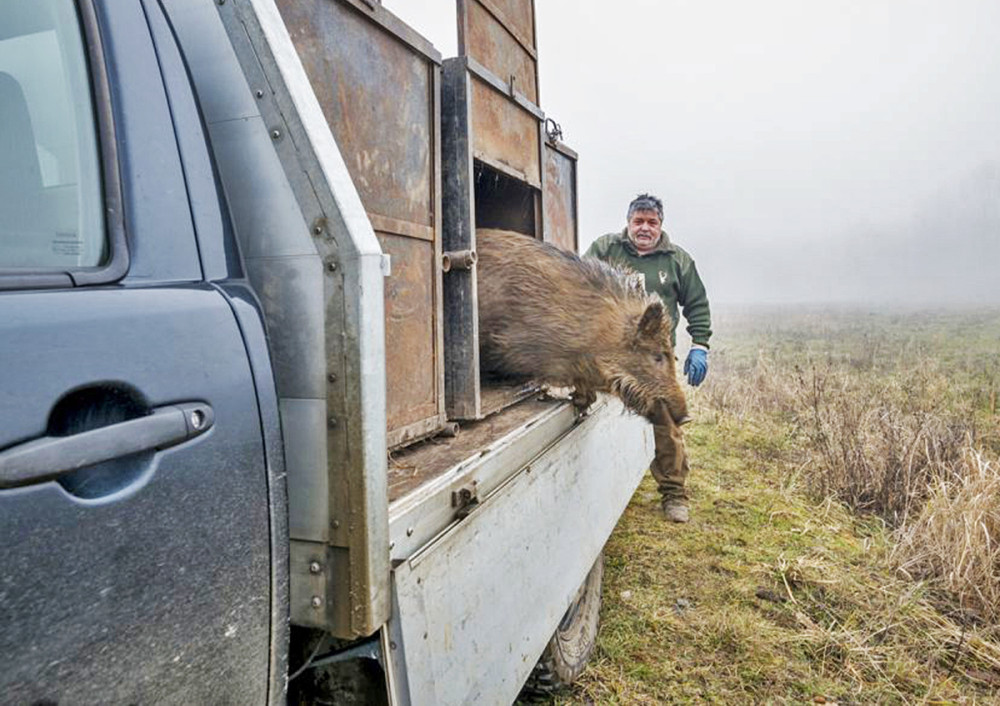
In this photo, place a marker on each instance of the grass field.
(845, 521)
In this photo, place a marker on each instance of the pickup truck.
(209, 489)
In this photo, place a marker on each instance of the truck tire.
(569, 650)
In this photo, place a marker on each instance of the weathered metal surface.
(505, 133)
(461, 332)
(498, 396)
(537, 533)
(417, 465)
(377, 96)
(561, 224)
(516, 16)
(345, 374)
(411, 322)
(492, 45)
(502, 86)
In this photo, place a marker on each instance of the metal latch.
(553, 130)
(464, 500)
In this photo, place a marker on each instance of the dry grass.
(845, 545)
(894, 425)
(955, 538)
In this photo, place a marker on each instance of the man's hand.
(696, 366)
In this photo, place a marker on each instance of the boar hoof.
(583, 399)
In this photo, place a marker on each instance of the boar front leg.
(583, 397)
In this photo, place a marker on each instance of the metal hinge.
(464, 500)
(553, 130)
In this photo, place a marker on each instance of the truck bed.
(416, 465)
(427, 481)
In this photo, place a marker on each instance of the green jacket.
(669, 272)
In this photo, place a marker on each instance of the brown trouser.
(670, 465)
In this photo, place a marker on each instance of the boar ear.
(652, 320)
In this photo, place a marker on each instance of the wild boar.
(548, 315)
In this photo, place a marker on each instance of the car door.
(134, 549)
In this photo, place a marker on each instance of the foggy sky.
(806, 151)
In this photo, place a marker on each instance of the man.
(669, 272)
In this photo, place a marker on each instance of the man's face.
(644, 230)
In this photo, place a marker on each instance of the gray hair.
(645, 202)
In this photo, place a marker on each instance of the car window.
(51, 202)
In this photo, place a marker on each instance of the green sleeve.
(694, 301)
(597, 249)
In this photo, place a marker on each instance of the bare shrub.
(749, 390)
(881, 441)
(910, 438)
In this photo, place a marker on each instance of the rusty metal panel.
(376, 81)
(410, 334)
(505, 136)
(517, 16)
(493, 45)
(561, 225)
(377, 95)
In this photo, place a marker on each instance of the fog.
(843, 151)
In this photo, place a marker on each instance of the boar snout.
(664, 415)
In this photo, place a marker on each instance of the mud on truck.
(246, 452)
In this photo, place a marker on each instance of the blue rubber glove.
(696, 366)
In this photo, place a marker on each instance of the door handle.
(49, 457)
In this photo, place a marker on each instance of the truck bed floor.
(414, 466)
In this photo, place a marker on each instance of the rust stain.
(521, 16)
(503, 131)
(560, 218)
(376, 94)
(492, 46)
(411, 394)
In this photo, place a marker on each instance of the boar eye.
(659, 357)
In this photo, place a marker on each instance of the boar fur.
(548, 315)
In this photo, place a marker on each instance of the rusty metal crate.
(492, 140)
(499, 171)
(377, 81)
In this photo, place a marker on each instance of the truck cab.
(243, 436)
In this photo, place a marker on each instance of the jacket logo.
(636, 281)
(664, 277)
